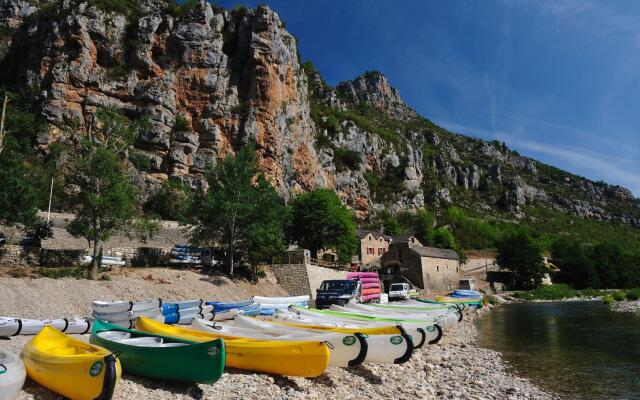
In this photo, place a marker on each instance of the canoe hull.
(196, 362)
(306, 359)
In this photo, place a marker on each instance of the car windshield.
(397, 286)
(337, 285)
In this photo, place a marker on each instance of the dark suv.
(338, 292)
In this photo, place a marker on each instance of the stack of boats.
(292, 340)
(371, 287)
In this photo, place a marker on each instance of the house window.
(380, 251)
(437, 268)
(371, 251)
(457, 269)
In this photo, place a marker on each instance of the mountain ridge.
(212, 80)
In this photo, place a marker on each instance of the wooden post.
(4, 110)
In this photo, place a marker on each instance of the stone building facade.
(432, 269)
(372, 246)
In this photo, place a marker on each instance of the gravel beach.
(453, 369)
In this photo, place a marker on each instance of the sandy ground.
(453, 369)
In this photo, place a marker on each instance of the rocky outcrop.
(373, 89)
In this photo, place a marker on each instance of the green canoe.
(161, 357)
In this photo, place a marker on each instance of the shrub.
(140, 161)
(182, 124)
(64, 272)
(633, 294)
(619, 296)
(346, 159)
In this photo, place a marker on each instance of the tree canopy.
(319, 221)
(238, 214)
(518, 253)
(106, 199)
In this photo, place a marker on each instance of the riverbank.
(626, 307)
(455, 368)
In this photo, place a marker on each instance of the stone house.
(432, 269)
(373, 246)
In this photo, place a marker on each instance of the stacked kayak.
(268, 305)
(20, 326)
(346, 350)
(124, 313)
(447, 318)
(12, 375)
(157, 357)
(223, 311)
(70, 367)
(293, 358)
(183, 312)
(370, 284)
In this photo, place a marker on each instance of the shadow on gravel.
(189, 389)
(37, 391)
(367, 374)
(212, 276)
(323, 380)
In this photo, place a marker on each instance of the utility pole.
(50, 197)
(4, 109)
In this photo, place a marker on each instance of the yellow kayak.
(70, 367)
(293, 358)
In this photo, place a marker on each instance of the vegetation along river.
(580, 350)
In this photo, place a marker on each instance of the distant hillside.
(212, 80)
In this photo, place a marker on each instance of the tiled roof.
(362, 233)
(435, 252)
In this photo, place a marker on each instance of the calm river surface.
(580, 350)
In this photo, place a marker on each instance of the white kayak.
(421, 333)
(18, 326)
(281, 300)
(125, 315)
(186, 304)
(12, 375)
(346, 350)
(448, 317)
(381, 349)
(106, 260)
(445, 320)
(103, 307)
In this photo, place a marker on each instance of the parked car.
(338, 292)
(399, 291)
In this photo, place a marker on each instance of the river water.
(579, 350)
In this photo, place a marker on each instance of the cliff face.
(211, 81)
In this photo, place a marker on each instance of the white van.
(399, 291)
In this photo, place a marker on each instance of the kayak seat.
(114, 335)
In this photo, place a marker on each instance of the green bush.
(345, 159)
(633, 294)
(182, 124)
(619, 296)
(140, 161)
(63, 272)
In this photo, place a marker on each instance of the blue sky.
(557, 80)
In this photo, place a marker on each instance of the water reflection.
(580, 350)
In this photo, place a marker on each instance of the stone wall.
(440, 274)
(293, 278)
(318, 274)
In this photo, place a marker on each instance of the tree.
(443, 238)
(242, 217)
(171, 201)
(576, 268)
(388, 222)
(105, 201)
(419, 223)
(518, 253)
(320, 221)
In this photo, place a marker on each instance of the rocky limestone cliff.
(211, 81)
